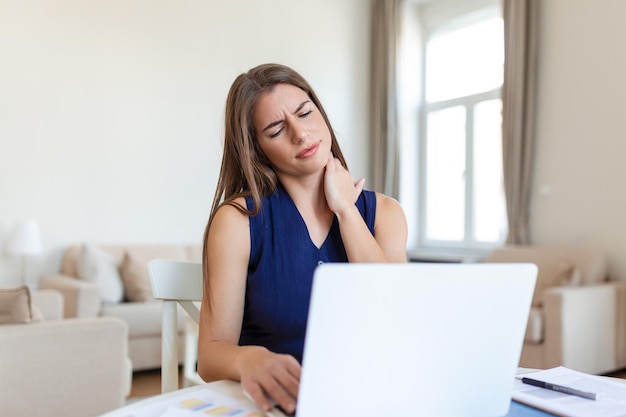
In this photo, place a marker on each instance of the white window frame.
(435, 16)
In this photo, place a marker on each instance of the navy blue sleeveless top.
(280, 271)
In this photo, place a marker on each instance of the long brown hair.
(245, 170)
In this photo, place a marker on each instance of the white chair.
(177, 283)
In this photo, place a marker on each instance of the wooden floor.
(148, 383)
(618, 374)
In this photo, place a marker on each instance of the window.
(461, 195)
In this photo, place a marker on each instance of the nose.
(299, 132)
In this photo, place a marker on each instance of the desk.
(233, 390)
(227, 388)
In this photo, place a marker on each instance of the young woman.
(285, 203)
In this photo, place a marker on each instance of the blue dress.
(280, 271)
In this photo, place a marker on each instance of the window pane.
(445, 174)
(489, 208)
(465, 61)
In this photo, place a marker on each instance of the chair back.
(177, 283)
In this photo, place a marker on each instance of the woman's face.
(291, 131)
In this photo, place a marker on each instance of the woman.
(285, 202)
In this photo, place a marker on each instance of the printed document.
(200, 402)
(611, 400)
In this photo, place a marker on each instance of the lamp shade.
(25, 239)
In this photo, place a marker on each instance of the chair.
(177, 283)
(56, 367)
(578, 315)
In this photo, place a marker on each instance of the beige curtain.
(518, 101)
(384, 154)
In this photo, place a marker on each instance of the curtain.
(384, 143)
(518, 108)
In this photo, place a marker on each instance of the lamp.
(25, 241)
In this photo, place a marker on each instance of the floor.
(618, 374)
(148, 383)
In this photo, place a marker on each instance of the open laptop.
(414, 339)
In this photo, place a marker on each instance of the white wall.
(579, 196)
(111, 110)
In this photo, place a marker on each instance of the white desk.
(229, 389)
(232, 390)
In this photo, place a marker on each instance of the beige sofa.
(578, 316)
(48, 363)
(91, 278)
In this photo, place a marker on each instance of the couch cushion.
(145, 253)
(97, 266)
(194, 253)
(69, 261)
(556, 267)
(135, 279)
(590, 264)
(552, 274)
(534, 328)
(143, 318)
(16, 306)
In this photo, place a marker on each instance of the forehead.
(283, 97)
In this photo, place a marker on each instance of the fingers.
(257, 396)
(330, 164)
(271, 392)
(339, 186)
(358, 187)
(275, 379)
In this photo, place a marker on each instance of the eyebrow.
(277, 122)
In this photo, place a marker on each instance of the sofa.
(47, 362)
(112, 281)
(578, 315)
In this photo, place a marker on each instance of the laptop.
(414, 339)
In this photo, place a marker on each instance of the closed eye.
(278, 132)
(305, 114)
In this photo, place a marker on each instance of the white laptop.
(414, 339)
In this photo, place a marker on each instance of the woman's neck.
(307, 194)
(310, 200)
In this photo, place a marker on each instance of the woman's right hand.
(268, 376)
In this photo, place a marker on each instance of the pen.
(560, 388)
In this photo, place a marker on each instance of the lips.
(308, 152)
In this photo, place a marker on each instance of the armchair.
(578, 316)
(56, 367)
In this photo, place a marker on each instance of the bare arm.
(262, 373)
(390, 230)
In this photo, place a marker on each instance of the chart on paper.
(197, 403)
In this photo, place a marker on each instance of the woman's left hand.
(339, 186)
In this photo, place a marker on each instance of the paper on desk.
(198, 402)
(610, 403)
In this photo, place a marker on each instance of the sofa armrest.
(621, 323)
(81, 298)
(49, 302)
(74, 367)
(582, 327)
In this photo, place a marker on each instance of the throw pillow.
(135, 278)
(553, 274)
(15, 306)
(95, 265)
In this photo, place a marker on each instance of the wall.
(111, 110)
(578, 196)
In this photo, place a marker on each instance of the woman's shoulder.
(232, 211)
(386, 204)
